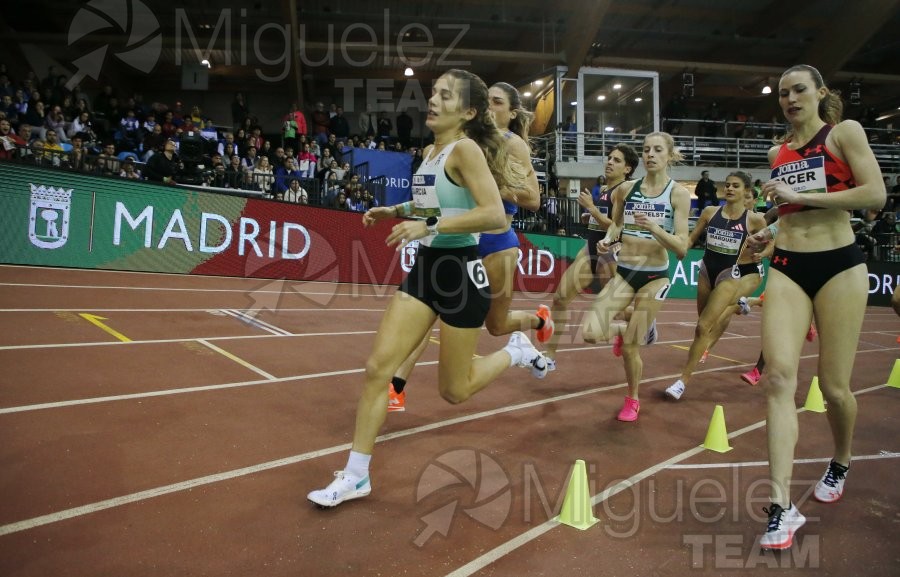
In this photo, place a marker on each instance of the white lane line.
(237, 359)
(185, 340)
(498, 552)
(203, 388)
(882, 455)
(262, 325)
(252, 318)
(506, 548)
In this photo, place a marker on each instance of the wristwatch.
(431, 223)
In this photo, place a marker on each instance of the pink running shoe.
(811, 334)
(751, 377)
(630, 410)
(618, 341)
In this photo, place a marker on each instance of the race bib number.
(425, 199)
(806, 175)
(723, 241)
(655, 212)
(477, 274)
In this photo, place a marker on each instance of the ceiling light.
(538, 82)
(609, 129)
(408, 71)
(526, 94)
(574, 103)
(767, 89)
(601, 97)
(638, 99)
(206, 63)
(617, 86)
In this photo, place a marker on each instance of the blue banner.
(395, 167)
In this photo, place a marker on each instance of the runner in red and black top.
(623, 160)
(817, 270)
(727, 271)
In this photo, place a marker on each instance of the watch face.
(431, 221)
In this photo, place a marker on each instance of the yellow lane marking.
(95, 320)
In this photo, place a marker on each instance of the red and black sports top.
(811, 168)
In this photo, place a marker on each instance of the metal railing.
(746, 153)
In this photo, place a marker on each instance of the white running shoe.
(675, 390)
(783, 524)
(744, 306)
(652, 334)
(830, 488)
(525, 355)
(551, 364)
(344, 488)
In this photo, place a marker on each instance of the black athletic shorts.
(453, 283)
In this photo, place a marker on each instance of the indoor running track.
(172, 425)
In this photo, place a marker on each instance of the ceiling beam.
(838, 43)
(582, 22)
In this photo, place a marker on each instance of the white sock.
(358, 464)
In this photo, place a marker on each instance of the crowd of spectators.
(43, 123)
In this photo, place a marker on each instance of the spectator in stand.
(26, 134)
(339, 125)
(35, 114)
(129, 172)
(77, 155)
(101, 102)
(149, 124)
(262, 175)
(332, 145)
(324, 163)
(239, 110)
(404, 129)
(154, 142)
(227, 138)
(289, 128)
(131, 134)
(295, 193)
(284, 172)
(266, 150)
(234, 172)
(276, 157)
(218, 178)
(249, 161)
(705, 191)
(108, 163)
(9, 142)
(385, 127)
(168, 124)
(367, 122)
(165, 166)
(333, 188)
(8, 109)
(381, 146)
(83, 128)
(52, 149)
(308, 162)
(340, 201)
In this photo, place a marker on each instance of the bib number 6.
(477, 274)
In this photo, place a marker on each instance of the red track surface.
(190, 449)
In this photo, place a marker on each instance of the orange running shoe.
(544, 334)
(396, 401)
(811, 333)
